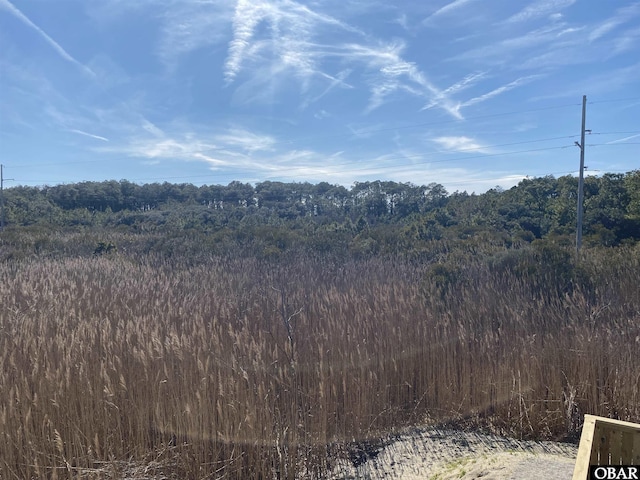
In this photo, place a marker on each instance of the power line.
(239, 173)
(470, 149)
(387, 159)
(396, 166)
(353, 133)
(370, 167)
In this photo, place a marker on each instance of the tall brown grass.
(241, 368)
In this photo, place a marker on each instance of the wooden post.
(606, 442)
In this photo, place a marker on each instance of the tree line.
(368, 217)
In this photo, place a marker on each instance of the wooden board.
(606, 442)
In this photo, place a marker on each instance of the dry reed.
(241, 368)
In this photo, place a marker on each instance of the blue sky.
(470, 94)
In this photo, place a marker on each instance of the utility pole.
(581, 177)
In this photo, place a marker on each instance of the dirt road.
(446, 454)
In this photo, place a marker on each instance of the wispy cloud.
(189, 26)
(558, 43)
(291, 26)
(253, 156)
(91, 135)
(179, 147)
(470, 80)
(626, 40)
(403, 21)
(463, 84)
(338, 81)
(610, 81)
(7, 5)
(466, 82)
(152, 128)
(502, 89)
(542, 41)
(540, 8)
(448, 8)
(232, 147)
(459, 144)
(600, 83)
(396, 74)
(289, 49)
(246, 18)
(622, 15)
(245, 140)
(622, 140)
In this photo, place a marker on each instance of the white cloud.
(502, 89)
(252, 156)
(463, 84)
(604, 28)
(7, 5)
(291, 26)
(189, 26)
(448, 8)
(622, 15)
(547, 39)
(626, 40)
(605, 83)
(165, 149)
(558, 43)
(403, 21)
(245, 140)
(288, 50)
(540, 8)
(622, 140)
(151, 128)
(91, 135)
(247, 16)
(459, 144)
(338, 81)
(233, 147)
(396, 74)
(466, 82)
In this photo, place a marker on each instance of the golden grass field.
(236, 367)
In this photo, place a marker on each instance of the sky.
(470, 94)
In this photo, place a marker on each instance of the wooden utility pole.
(581, 177)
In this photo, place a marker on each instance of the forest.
(273, 330)
(370, 218)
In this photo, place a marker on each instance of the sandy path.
(445, 454)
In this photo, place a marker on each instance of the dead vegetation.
(122, 367)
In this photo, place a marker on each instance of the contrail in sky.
(97, 137)
(6, 4)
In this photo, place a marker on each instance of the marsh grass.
(237, 367)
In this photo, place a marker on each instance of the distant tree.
(238, 194)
